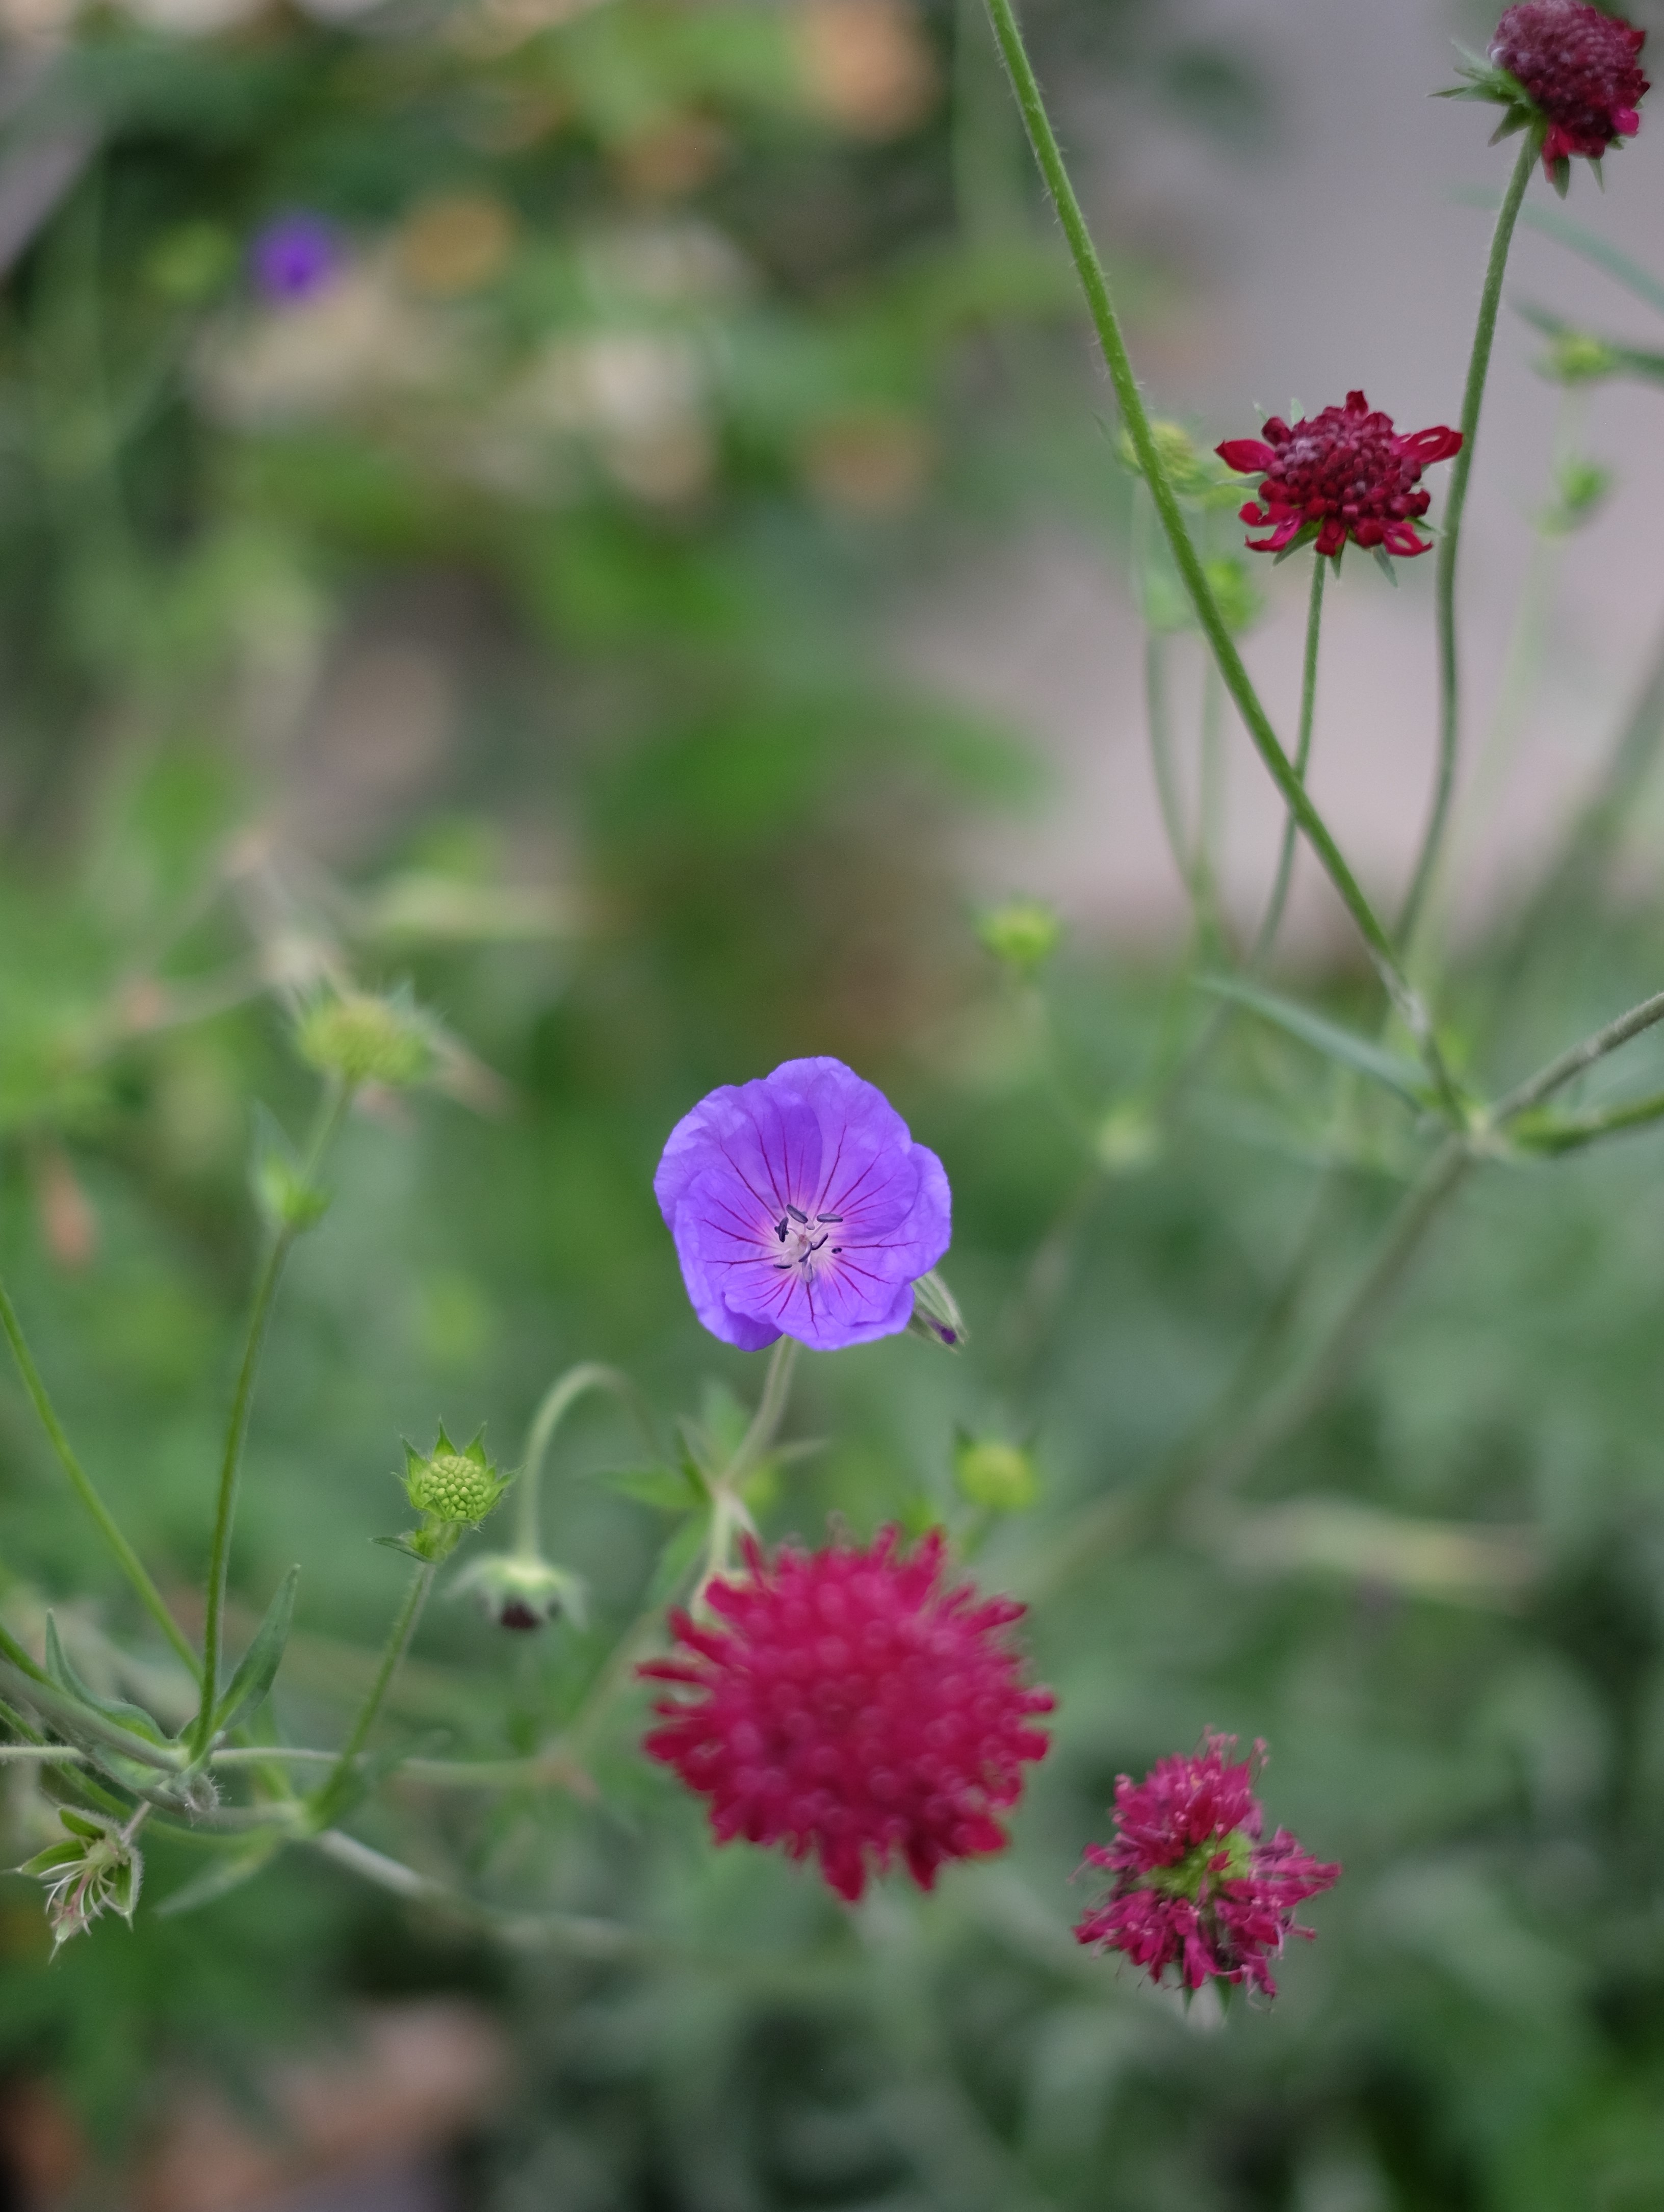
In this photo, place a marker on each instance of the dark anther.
(780, 1229)
(822, 1219)
(802, 1219)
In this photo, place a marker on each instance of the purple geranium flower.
(801, 1206)
(295, 256)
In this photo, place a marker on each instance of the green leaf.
(218, 1881)
(678, 1556)
(49, 1861)
(258, 1667)
(668, 1489)
(86, 1728)
(131, 1717)
(1360, 1054)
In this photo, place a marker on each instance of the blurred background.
(605, 510)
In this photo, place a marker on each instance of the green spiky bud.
(364, 1039)
(457, 1488)
(993, 1474)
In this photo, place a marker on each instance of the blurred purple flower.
(294, 255)
(801, 1206)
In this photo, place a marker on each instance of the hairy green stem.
(332, 1792)
(336, 1099)
(1570, 1064)
(131, 1565)
(1235, 676)
(1279, 891)
(1478, 369)
(771, 1411)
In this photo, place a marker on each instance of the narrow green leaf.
(133, 1718)
(668, 1489)
(259, 1667)
(88, 1728)
(218, 1881)
(678, 1556)
(1360, 1054)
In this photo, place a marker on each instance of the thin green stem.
(337, 1097)
(1279, 891)
(131, 1565)
(771, 1411)
(1158, 724)
(333, 1791)
(562, 1396)
(1478, 369)
(1570, 1064)
(1569, 1132)
(1237, 681)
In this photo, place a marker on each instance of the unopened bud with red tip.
(936, 1314)
(522, 1590)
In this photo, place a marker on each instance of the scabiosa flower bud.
(1344, 473)
(852, 1707)
(801, 1206)
(1579, 68)
(1196, 1885)
(365, 1039)
(453, 1488)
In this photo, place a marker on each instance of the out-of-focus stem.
(562, 1395)
(131, 1565)
(1237, 681)
(1280, 890)
(333, 1791)
(1570, 1064)
(1478, 368)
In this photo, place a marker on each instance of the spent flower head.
(522, 1590)
(852, 1706)
(801, 1206)
(95, 1869)
(1196, 1885)
(1343, 473)
(1568, 73)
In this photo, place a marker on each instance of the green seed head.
(363, 1039)
(452, 1486)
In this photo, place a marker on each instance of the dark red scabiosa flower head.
(1344, 473)
(1579, 68)
(1196, 1885)
(852, 1706)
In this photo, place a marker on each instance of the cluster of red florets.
(1344, 473)
(1581, 71)
(1196, 1886)
(852, 1707)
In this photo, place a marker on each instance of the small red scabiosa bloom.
(853, 1707)
(1196, 1885)
(1344, 473)
(1579, 69)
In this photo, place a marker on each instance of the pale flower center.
(805, 1241)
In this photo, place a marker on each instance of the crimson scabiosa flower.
(801, 1206)
(1568, 71)
(852, 1705)
(1197, 1887)
(1344, 473)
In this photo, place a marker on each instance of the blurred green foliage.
(507, 616)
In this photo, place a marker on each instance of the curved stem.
(561, 1397)
(1279, 892)
(1478, 368)
(1569, 1065)
(771, 1411)
(1235, 676)
(332, 1792)
(131, 1565)
(336, 1099)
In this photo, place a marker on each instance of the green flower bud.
(1128, 1139)
(363, 1039)
(522, 1590)
(1577, 357)
(1023, 933)
(936, 1315)
(454, 1488)
(995, 1474)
